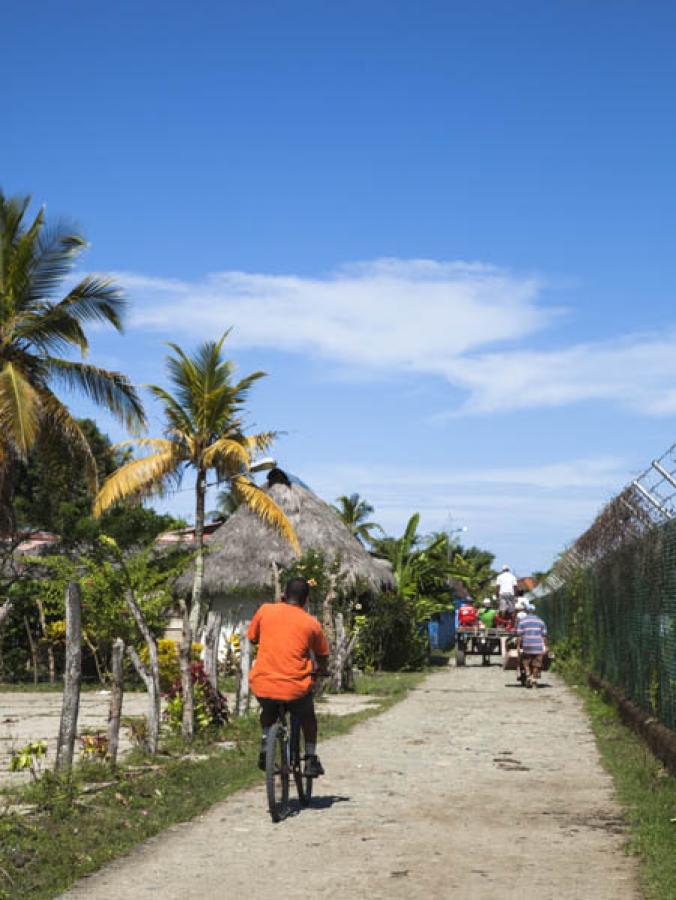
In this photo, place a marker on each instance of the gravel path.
(470, 788)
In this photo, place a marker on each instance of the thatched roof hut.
(238, 563)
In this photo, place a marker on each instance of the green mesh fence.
(619, 616)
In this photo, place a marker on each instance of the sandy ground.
(35, 716)
(470, 788)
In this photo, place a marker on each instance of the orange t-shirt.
(285, 635)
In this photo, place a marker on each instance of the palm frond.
(95, 299)
(259, 443)
(226, 454)
(263, 506)
(110, 389)
(178, 416)
(19, 410)
(139, 478)
(50, 330)
(59, 423)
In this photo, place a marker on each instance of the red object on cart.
(467, 615)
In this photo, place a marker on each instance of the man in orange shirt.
(288, 637)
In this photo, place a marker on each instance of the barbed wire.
(649, 500)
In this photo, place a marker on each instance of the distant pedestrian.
(505, 589)
(532, 641)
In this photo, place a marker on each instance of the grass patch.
(78, 827)
(645, 789)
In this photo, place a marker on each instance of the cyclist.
(288, 638)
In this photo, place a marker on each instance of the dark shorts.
(302, 707)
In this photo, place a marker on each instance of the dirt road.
(470, 788)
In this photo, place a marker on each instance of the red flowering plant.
(211, 706)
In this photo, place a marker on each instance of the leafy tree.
(354, 512)
(204, 432)
(54, 493)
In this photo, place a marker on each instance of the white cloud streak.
(464, 322)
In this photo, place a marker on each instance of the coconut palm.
(354, 511)
(204, 432)
(39, 326)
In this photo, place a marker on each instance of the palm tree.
(354, 511)
(204, 432)
(227, 503)
(38, 326)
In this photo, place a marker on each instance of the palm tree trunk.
(192, 611)
(197, 613)
(185, 665)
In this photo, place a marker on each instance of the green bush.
(167, 657)
(389, 636)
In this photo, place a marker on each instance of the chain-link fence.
(617, 611)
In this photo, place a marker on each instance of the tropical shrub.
(167, 657)
(389, 636)
(211, 707)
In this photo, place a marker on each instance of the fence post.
(116, 696)
(212, 641)
(72, 678)
(244, 668)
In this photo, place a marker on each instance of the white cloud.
(445, 319)
(638, 372)
(387, 315)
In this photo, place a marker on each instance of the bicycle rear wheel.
(277, 772)
(303, 784)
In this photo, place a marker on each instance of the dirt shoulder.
(470, 787)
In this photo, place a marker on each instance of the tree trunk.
(33, 649)
(185, 665)
(242, 702)
(150, 676)
(211, 644)
(116, 696)
(339, 654)
(153, 687)
(327, 612)
(198, 615)
(97, 662)
(276, 583)
(72, 677)
(50, 650)
(5, 610)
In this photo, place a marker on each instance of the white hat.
(520, 604)
(487, 601)
(505, 568)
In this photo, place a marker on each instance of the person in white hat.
(505, 587)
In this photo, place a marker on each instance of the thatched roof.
(240, 553)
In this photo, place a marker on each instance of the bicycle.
(284, 756)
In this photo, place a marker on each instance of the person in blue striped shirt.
(532, 642)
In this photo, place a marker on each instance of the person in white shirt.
(505, 587)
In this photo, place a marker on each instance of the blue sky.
(444, 228)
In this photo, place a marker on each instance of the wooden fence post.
(244, 668)
(72, 678)
(211, 643)
(116, 696)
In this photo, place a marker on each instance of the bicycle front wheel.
(277, 772)
(303, 784)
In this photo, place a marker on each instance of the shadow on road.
(513, 684)
(327, 801)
